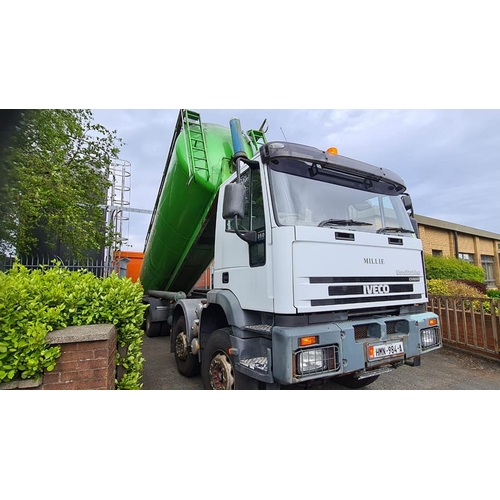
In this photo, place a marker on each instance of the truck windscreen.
(305, 194)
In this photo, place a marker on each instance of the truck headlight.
(317, 360)
(429, 337)
(311, 360)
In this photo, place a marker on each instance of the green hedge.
(33, 303)
(452, 288)
(460, 289)
(448, 268)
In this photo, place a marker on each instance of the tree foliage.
(59, 169)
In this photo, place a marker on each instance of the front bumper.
(344, 347)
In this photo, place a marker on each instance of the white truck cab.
(326, 251)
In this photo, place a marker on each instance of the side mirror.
(234, 201)
(406, 198)
(234, 208)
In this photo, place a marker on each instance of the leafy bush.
(480, 287)
(493, 293)
(459, 289)
(448, 268)
(454, 288)
(33, 303)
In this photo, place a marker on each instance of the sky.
(449, 158)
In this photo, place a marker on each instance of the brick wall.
(88, 358)
(467, 244)
(436, 239)
(87, 361)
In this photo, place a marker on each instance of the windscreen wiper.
(394, 230)
(343, 222)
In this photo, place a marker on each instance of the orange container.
(134, 264)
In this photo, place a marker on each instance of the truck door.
(240, 266)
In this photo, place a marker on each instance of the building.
(481, 248)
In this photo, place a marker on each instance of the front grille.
(360, 332)
(363, 299)
(360, 289)
(350, 290)
(391, 327)
(364, 279)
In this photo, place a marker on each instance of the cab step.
(376, 371)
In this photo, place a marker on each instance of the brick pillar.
(87, 361)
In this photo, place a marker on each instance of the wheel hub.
(221, 372)
(181, 347)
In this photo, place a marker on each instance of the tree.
(59, 163)
(9, 118)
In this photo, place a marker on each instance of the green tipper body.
(181, 241)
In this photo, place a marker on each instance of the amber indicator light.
(305, 341)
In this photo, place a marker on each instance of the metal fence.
(472, 324)
(99, 268)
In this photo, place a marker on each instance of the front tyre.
(187, 364)
(217, 366)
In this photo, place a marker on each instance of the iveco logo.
(368, 260)
(371, 289)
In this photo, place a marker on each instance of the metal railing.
(468, 323)
(99, 268)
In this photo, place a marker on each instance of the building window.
(469, 257)
(437, 253)
(487, 262)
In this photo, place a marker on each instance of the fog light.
(429, 337)
(312, 360)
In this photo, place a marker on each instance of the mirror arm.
(248, 236)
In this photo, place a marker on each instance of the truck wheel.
(217, 366)
(187, 364)
(354, 383)
(151, 329)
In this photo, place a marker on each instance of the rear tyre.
(354, 383)
(217, 365)
(152, 329)
(187, 364)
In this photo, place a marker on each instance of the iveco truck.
(317, 266)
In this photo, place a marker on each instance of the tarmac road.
(444, 369)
